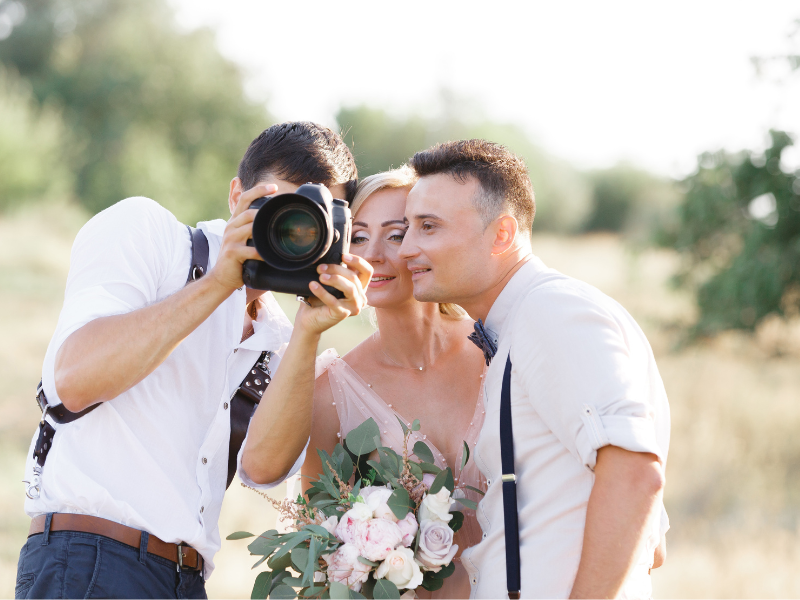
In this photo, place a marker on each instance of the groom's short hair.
(503, 177)
(300, 152)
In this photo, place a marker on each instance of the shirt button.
(201, 509)
(205, 460)
(474, 581)
(488, 482)
(235, 350)
(483, 537)
(225, 406)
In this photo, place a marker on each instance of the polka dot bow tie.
(481, 339)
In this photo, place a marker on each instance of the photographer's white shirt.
(583, 377)
(155, 457)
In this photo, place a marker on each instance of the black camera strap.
(510, 514)
(242, 403)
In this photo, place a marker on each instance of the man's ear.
(235, 193)
(505, 233)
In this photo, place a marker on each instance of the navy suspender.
(510, 515)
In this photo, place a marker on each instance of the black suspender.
(242, 404)
(510, 514)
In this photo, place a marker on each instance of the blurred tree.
(380, 142)
(629, 200)
(150, 110)
(31, 137)
(739, 230)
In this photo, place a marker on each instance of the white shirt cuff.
(632, 433)
(265, 486)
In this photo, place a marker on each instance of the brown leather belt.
(182, 556)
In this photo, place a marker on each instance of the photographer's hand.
(281, 424)
(227, 272)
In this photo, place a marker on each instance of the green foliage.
(148, 110)
(380, 142)
(361, 440)
(627, 199)
(739, 231)
(32, 137)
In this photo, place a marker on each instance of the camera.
(293, 233)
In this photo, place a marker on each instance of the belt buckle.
(180, 557)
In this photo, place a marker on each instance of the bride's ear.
(504, 231)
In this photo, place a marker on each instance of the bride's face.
(378, 231)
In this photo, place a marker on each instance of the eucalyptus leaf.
(240, 535)
(423, 452)
(467, 503)
(366, 561)
(313, 591)
(400, 503)
(312, 562)
(465, 456)
(361, 440)
(383, 473)
(403, 425)
(445, 571)
(439, 481)
(284, 561)
(390, 461)
(415, 469)
(474, 489)
(287, 547)
(429, 468)
(356, 488)
(432, 583)
(356, 596)
(456, 521)
(265, 543)
(339, 591)
(415, 425)
(299, 558)
(385, 589)
(259, 561)
(277, 577)
(261, 586)
(282, 591)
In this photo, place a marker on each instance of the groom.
(590, 414)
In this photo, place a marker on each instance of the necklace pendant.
(420, 368)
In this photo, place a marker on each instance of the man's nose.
(408, 248)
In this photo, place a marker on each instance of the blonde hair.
(402, 177)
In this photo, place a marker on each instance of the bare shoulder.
(361, 355)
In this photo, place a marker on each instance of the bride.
(419, 364)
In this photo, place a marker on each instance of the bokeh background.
(658, 138)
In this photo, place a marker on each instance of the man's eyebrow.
(421, 217)
(394, 222)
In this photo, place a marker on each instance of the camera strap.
(510, 514)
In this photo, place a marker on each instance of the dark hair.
(502, 175)
(300, 152)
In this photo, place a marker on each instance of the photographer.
(128, 500)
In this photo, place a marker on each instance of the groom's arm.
(626, 491)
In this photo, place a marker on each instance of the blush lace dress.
(356, 402)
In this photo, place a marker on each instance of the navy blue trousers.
(68, 564)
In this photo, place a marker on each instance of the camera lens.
(296, 232)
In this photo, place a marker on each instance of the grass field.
(733, 477)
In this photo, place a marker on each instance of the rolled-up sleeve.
(117, 264)
(584, 366)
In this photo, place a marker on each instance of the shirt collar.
(502, 306)
(271, 329)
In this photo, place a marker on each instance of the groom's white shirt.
(583, 377)
(155, 457)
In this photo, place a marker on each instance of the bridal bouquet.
(386, 535)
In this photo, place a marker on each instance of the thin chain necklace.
(377, 341)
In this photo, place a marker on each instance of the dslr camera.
(293, 233)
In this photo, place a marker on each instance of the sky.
(596, 83)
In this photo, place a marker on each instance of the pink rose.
(408, 527)
(436, 547)
(344, 567)
(377, 537)
(330, 524)
(346, 529)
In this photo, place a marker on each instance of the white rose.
(401, 569)
(436, 507)
(330, 524)
(377, 499)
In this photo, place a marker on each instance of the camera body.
(293, 233)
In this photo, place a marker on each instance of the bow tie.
(481, 339)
